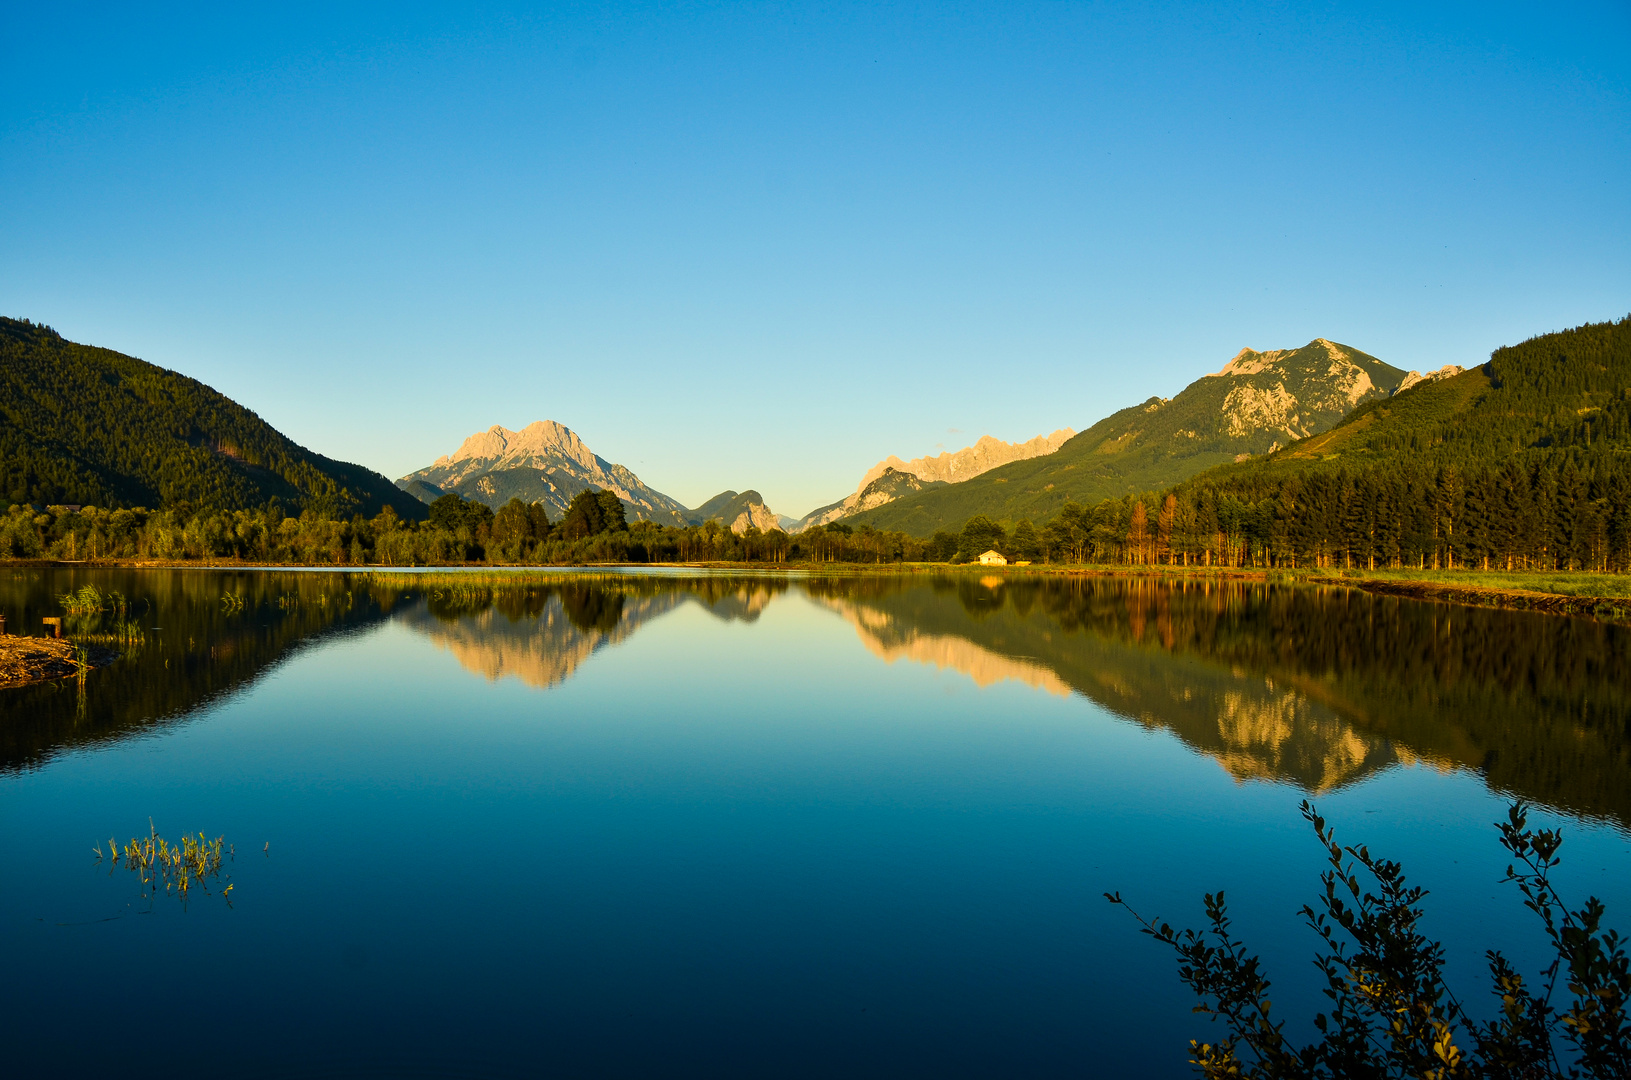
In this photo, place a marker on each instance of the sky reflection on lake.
(758, 825)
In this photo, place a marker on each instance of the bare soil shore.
(25, 660)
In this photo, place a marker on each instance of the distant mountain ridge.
(945, 468)
(545, 462)
(1256, 403)
(81, 424)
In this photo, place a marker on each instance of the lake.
(717, 824)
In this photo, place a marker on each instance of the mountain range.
(80, 424)
(1257, 403)
(545, 462)
(921, 473)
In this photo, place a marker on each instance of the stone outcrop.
(1416, 378)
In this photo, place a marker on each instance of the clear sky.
(766, 245)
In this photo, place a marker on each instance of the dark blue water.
(754, 826)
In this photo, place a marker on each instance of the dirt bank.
(25, 660)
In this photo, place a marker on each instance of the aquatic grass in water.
(180, 868)
(89, 600)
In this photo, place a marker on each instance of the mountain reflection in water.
(541, 636)
(1317, 687)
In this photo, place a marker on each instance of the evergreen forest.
(86, 426)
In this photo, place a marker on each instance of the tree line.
(594, 528)
(1511, 517)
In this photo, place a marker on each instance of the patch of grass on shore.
(1551, 582)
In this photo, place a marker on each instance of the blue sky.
(764, 246)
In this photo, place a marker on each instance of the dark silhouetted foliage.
(1391, 1012)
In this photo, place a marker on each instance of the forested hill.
(1522, 463)
(80, 424)
(1558, 397)
(1259, 401)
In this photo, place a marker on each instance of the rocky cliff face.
(891, 485)
(1297, 392)
(986, 454)
(543, 462)
(1415, 378)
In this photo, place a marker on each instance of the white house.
(993, 558)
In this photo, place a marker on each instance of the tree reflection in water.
(1312, 686)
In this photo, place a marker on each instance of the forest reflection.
(1315, 687)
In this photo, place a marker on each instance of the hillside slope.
(1522, 464)
(1258, 402)
(80, 424)
(1558, 397)
(737, 511)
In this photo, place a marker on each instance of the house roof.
(993, 551)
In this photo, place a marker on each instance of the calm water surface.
(720, 825)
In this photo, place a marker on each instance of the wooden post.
(55, 623)
(2, 624)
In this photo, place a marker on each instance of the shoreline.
(1513, 590)
(25, 661)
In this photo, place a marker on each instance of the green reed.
(90, 600)
(190, 864)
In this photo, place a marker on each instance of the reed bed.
(180, 868)
(90, 600)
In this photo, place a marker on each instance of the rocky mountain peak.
(1247, 362)
(545, 462)
(541, 438)
(1415, 378)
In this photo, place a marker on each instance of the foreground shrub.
(1391, 1013)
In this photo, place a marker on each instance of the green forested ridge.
(1260, 401)
(89, 426)
(1522, 464)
